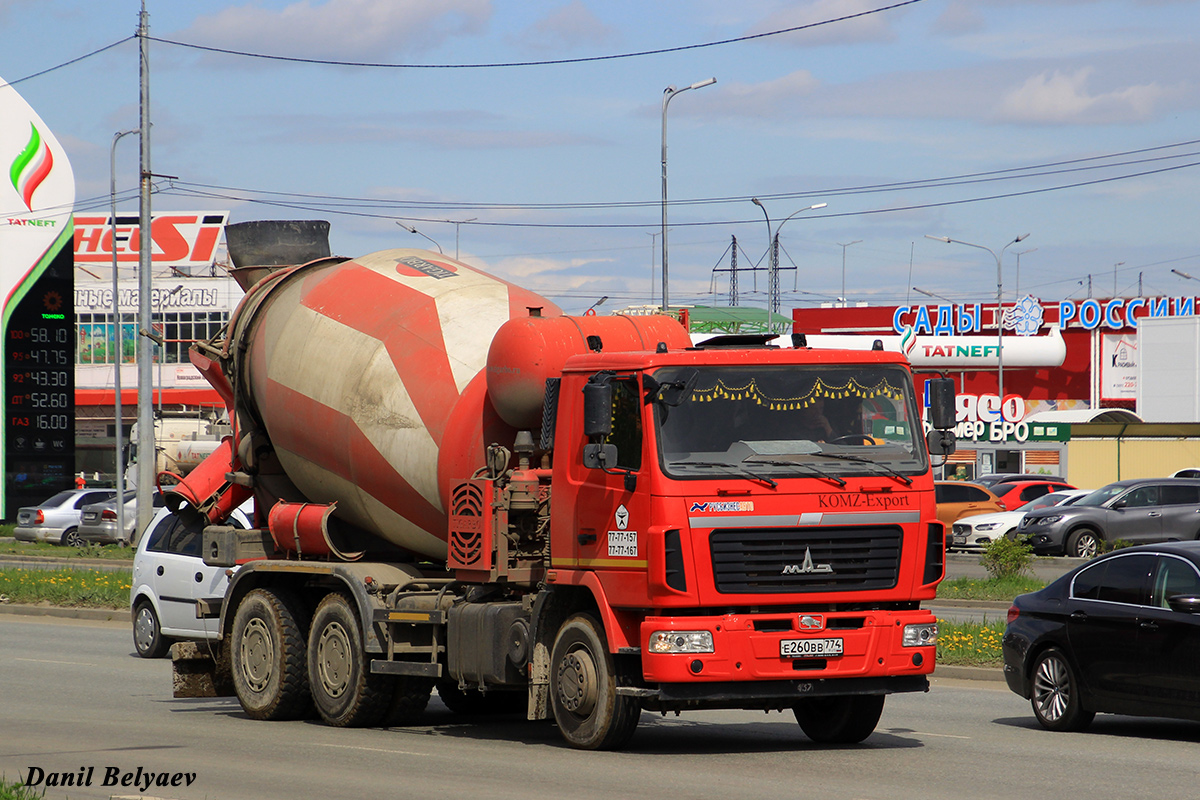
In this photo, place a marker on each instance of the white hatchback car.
(976, 533)
(169, 576)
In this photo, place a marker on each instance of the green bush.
(14, 790)
(1007, 558)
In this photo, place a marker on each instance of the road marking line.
(371, 749)
(44, 661)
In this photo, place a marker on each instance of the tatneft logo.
(31, 167)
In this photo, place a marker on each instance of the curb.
(61, 612)
(990, 674)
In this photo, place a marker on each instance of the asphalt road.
(73, 697)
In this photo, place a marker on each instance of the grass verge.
(14, 790)
(970, 644)
(1003, 589)
(73, 588)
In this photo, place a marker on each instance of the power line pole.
(146, 452)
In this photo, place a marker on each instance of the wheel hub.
(333, 659)
(143, 629)
(256, 650)
(578, 689)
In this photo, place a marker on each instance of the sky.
(526, 136)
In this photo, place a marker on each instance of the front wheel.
(1083, 543)
(147, 633)
(267, 656)
(583, 689)
(839, 720)
(1055, 696)
(347, 694)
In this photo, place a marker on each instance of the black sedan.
(1120, 634)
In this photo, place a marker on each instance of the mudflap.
(201, 669)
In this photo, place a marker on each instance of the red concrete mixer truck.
(586, 518)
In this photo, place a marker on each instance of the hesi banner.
(37, 195)
(186, 240)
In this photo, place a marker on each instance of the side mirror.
(599, 456)
(1184, 604)
(941, 442)
(941, 403)
(597, 409)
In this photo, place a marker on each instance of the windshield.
(791, 422)
(1101, 496)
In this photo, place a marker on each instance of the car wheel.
(347, 694)
(583, 689)
(267, 655)
(147, 634)
(1055, 696)
(1084, 543)
(71, 538)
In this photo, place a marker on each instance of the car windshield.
(1045, 501)
(1101, 496)
(790, 421)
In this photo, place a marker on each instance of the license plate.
(806, 648)
(958, 538)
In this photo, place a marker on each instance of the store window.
(97, 335)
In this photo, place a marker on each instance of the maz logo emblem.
(808, 567)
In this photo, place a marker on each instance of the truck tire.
(839, 720)
(1084, 543)
(267, 655)
(346, 693)
(583, 689)
(1054, 694)
(472, 702)
(410, 695)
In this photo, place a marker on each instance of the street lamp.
(668, 93)
(411, 229)
(931, 294)
(118, 408)
(773, 267)
(1185, 275)
(1119, 263)
(844, 246)
(999, 300)
(457, 223)
(596, 305)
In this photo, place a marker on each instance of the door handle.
(1154, 514)
(1079, 616)
(1148, 625)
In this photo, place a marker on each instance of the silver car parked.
(57, 520)
(98, 523)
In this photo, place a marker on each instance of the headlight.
(919, 635)
(681, 642)
(987, 526)
(1046, 520)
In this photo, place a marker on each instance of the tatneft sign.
(1027, 316)
(180, 238)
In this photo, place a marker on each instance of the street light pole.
(844, 246)
(411, 229)
(999, 300)
(931, 294)
(668, 93)
(118, 407)
(1119, 263)
(773, 268)
(457, 223)
(653, 261)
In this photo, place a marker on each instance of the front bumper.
(746, 647)
(767, 695)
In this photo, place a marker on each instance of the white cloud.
(570, 27)
(1063, 97)
(359, 30)
(776, 98)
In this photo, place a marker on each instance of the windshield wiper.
(725, 465)
(822, 473)
(859, 460)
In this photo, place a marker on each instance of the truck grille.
(805, 559)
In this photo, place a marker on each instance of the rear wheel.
(267, 655)
(1084, 543)
(839, 720)
(347, 694)
(410, 695)
(583, 689)
(1055, 697)
(71, 538)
